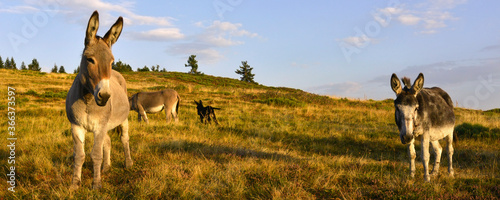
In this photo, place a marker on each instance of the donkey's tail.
(178, 102)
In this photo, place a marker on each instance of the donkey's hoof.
(97, 186)
(105, 168)
(74, 187)
(75, 184)
(452, 172)
(129, 163)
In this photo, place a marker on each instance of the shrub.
(476, 131)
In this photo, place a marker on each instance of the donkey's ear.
(114, 32)
(92, 27)
(418, 84)
(395, 84)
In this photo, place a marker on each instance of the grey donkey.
(424, 112)
(153, 102)
(97, 102)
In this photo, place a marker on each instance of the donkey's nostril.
(103, 98)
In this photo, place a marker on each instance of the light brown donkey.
(97, 102)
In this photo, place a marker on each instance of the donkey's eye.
(91, 60)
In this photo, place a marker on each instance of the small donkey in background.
(153, 102)
(206, 113)
(425, 112)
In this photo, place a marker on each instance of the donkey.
(97, 102)
(153, 102)
(206, 113)
(425, 112)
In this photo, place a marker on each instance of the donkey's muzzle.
(102, 98)
(102, 92)
(406, 138)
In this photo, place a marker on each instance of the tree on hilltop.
(13, 63)
(121, 67)
(7, 63)
(23, 66)
(54, 69)
(34, 66)
(193, 63)
(246, 72)
(144, 69)
(62, 70)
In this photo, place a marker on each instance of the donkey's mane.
(407, 82)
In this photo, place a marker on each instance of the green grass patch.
(467, 130)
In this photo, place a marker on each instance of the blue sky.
(338, 48)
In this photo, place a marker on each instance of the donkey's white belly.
(154, 109)
(439, 133)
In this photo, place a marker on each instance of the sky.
(338, 48)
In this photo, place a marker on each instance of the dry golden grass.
(272, 143)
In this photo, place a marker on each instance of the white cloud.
(338, 89)
(81, 10)
(19, 9)
(428, 32)
(409, 19)
(445, 4)
(358, 41)
(217, 35)
(222, 33)
(203, 52)
(390, 11)
(160, 34)
(431, 15)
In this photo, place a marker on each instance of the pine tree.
(62, 70)
(13, 63)
(23, 66)
(1, 63)
(155, 69)
(193, 63)
(121, 66)
(246, 72)
(7, 63)
(77, 70)
(34, 66)
(54, 70)
(144, 69)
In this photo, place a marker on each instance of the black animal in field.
(206, 113)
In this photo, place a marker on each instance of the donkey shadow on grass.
(218, 153)
(328, 145)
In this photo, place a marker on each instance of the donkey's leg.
(426, 156)
(413, 155)
(449, 142)
(107, 153)
(168, 111)
(437, 152)
(97, 156)
(142, 113)
(78, 133)
(126, 149)
(138, 116)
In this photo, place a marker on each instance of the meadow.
(272, 143)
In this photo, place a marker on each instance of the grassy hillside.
(271, 143)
